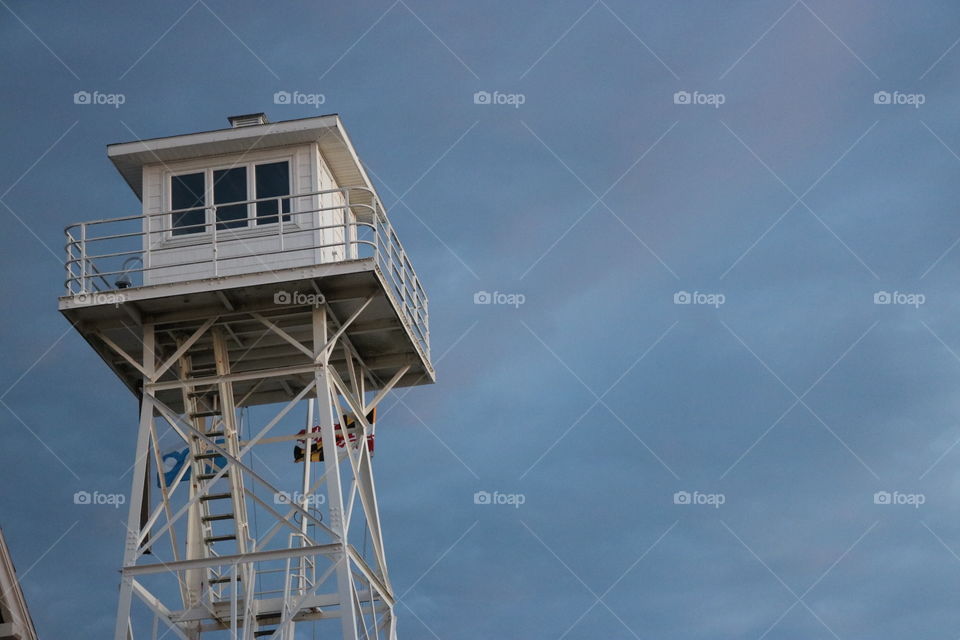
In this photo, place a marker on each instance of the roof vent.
(248, 120)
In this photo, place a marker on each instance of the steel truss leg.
(348, 614)
(132, 537)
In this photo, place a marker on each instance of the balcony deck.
(356, 267)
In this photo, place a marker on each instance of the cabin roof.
(328, 131)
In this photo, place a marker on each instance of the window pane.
(230, 185)
(186, 192)
(273, 180)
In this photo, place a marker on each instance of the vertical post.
(193, 578)
(347, 213)
(376, 239)
(305, 498)
(279, 219)
(69, 263)
(139, 473)
(389, 248)
(214, 243)
(331, 463)
(148, 244)
(405, 278)
(318, 229)
(83, 257)
(228, 413)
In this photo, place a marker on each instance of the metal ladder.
(217, 506)
(222, 507)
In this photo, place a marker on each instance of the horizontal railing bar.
(341, 190)
(244, 257)
(252, 218)
(201, 240)
(136, 252)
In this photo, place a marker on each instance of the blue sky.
(600, 199)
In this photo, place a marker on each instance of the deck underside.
(243, 305)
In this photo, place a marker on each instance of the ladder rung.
(211, 476)
(220, 538)
(204, 414)
(216, 496)
(213, 434)
(218, 516)
(225, 579)
(206, 456)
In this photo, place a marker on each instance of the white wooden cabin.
(237, 178)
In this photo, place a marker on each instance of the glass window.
(186, 197)
(230, 185)
(272, 181)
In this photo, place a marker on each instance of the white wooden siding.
(247, 249)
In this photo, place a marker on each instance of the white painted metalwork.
(198, 353)
(15, 620)
(198, 535)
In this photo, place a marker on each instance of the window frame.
(212, 196)
(168, 179)
(253, 227)
(252, 189)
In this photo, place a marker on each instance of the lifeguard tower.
(262, 270)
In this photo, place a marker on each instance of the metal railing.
(103, 257)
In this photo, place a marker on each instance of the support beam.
(134, 535)
(223, 561)
(182, 349)
(348, 615)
